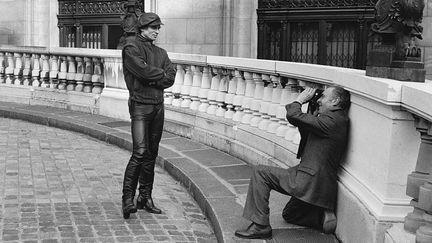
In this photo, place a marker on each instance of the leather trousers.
(146, 127)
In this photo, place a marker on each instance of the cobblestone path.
(60, 186)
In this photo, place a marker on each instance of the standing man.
(147, 72)
(312, 183)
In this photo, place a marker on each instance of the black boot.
(144, 201)
(128, 207)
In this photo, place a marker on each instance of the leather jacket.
(147, 70)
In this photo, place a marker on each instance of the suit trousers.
(267, 178)
(146, 127)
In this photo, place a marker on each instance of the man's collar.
(144, 39)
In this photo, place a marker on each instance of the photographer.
(312, 184)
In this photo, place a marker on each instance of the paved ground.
(61, 186)
(216, 181)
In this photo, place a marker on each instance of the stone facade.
(29, 23)
(427, 38)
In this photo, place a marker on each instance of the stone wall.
(427, 38)
(211, 27)
(29, 23)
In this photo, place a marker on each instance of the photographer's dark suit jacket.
(324, 140)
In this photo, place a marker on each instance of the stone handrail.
(249, 95)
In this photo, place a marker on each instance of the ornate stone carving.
(314, 3)
(91, 7)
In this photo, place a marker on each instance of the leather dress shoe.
(329, 222)
(255, 231)
(147, 204)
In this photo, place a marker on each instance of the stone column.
(248, 97)
(71, 73)
(79, 74)
(97, 80)
(205, 87)
(265, 104)
(36, 71)
(212, 94)
(53, 78)
(9, 68)
(293, 90)
(185, 89)
(27, 69)
(87, 77)
(274, 106)
(257, 99)
(63, 73)
(229, 97)
(18, 70)
(176, 88)
(44, 75)
(419, 187)
(222, 91)
(2, 67)
(196, 84)
(238, 99)
(282, 129)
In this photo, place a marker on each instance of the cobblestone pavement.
(60, 186)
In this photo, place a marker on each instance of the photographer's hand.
(306, 95)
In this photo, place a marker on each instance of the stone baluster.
(88, 73)
(196, 85)
(18, 70)
(419, 187)
(53, 74)
(44, 75)
(26, 73)
(205, 87)
(248, 97)
(213, 92)
(2, 67)
(229, 97)
(9, 71)
(97, 79)
(257, 99)
(265, 104)
(71, 73)
(79, 76)
(283, 127)
(36, 82)
(238, 98)
(62, 73)
(176, 88)
(222, 91)
(293, 133)
(274, 106)
(185, 89)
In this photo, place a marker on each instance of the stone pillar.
(282, 129)
(18, 70)
(247, 99)
(222, 91)
(44, 75)
(276, 98)
(196, 84)
(265, 104)
(229, 97)
(53, 78)
(185, 89)
(212, 94)
(97, 80)
(79, 74)
(238, 99)
(63, 73)
(36, 71)
(293, 90)
(27, 69)
(176, 88)
(71, 73)
(419, 187)
(87, 77)
(9, 68)
(205, 87)
(2, 67)
(257, 99)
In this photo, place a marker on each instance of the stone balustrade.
(238, 106)
(54, 68)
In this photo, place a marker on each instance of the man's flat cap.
(150, 19)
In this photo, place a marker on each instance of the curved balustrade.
(238, 106)
(55, 68)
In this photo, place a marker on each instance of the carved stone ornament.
(266, 4)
